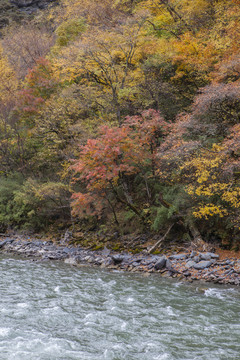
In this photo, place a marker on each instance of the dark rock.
(98, 261)
(168, 265)
(202, 265)
(160, 264)
(56, 256)
(117, 259)
(4, 242)
(41, 4)
(178, 257)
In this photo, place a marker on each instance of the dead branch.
(159, 242)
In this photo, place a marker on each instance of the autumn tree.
(105, 63)
(24, 45)
(108, 164)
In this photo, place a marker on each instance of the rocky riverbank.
(188, 266)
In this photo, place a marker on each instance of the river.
(53, 311)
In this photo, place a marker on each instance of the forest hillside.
(121, 116)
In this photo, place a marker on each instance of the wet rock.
(87, 258)
(77, 258)
(71, 261)
(98, 261)
(178, 257)
(160, 264)
(117, 259)
(4, 242)
(202, 265)
(56, 256)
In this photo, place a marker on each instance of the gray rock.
(108, 261)
(168, 264)
(161, 263)
(214, 256)
(190, 264)
(193, 253)
(78, 259)
(202, 265)
(71, 261)
(205, 256)
(196, 258)
(178, 257)
(98, 261)
(105, 251)
(135, 263)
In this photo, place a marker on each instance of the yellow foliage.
(208, 182)
(8, 82)
(207, 210)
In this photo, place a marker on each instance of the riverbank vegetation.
(123, 117)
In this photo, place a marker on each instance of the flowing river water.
(53, 311)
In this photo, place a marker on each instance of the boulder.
(71, 261)
(178, 257)
(161, 263)
(205, 256)
(190, 264)
(208, 256)
(117, 259)
(168, 265)
(214, 256)
(202, 265)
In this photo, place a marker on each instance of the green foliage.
(69, 30)
(178, 202)
(28, 203)
(160, 218)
